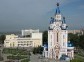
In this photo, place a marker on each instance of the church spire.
(57, 9)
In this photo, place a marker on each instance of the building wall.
(10, 41)
(14, 41)
(62, 42)
(76, 32)
(27, 32)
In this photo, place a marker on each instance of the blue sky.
(16, 15)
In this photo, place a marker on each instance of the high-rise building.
(58, 44)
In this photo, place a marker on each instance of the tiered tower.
(57, 36)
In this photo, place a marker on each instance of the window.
(7, 42)
(63, 36)
(63, 44)
(24, 44)
(18, 41)
(28, 35)
(30, 41)
(13, 44)
(24, 41)
(27, 45)
(57, 37)
(18, 45)
(21, 41)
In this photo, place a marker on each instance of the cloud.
(18, 14)
(66, 2)
(81, 7)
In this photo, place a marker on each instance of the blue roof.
(70, 44)
(46, 45)
(57, 9)
(52, 20)
(64, 20)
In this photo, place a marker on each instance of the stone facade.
(30, 39)
(58, 44)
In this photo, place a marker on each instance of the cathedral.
(58, 44)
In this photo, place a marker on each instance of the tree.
(77, 60)
(77, 40)
(45, 37)
(38, 50)
(2, 38)
(81, 42)
(74, 38)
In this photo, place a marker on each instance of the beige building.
(76, 32)
(29, 38)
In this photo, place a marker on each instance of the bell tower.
(57, 36)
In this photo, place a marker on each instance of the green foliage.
(76, 60)
(16, 54)
(9, 61)
(74, 38)
(2, 38)
(77, 40)
(25, 60)
(1, 58)
(81, 43)
(38, 50)
(45, 37)
(18, 57)
(15, 51)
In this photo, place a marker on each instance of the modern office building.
(29, 38)
(58, 45)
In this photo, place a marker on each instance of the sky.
(16, 15)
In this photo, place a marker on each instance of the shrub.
(1, 58)
(25, 60)
(16, 57)
(77, 60)
(38, 50)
